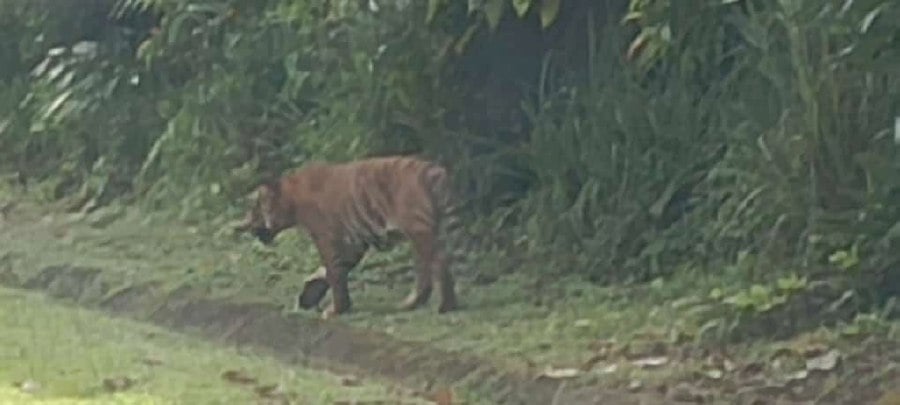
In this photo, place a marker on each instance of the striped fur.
(348, 208)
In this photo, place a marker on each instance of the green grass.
(69, 353)
(511, 320)
(520, 320)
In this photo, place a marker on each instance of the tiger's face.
(268, 215)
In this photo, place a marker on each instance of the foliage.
(622, 139)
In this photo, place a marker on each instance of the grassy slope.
(515, 320)
(70, 352)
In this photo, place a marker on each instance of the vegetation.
(57, 355)
(749, 144)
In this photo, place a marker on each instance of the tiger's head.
(269, 215)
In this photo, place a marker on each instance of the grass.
(519, 320)
(72, 354)
(511, 320)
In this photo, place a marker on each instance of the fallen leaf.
(151, 361)
(782, 352)
(648, 362)
(646, 348)
(797, 376)
(443, 397)
(729, 365)
(234, 257)
(601, 345)
(684, 392)
(609, 369)
(825, 362)
(116, 384)
(350, 381)
(238, 377)
(635, 385)
(558, 373)
(714, 374)
(813, 350)
(28, 386)
(752, 369)
(269, 391)
(591, 362)
(582, 323)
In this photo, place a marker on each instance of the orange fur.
(346, 208)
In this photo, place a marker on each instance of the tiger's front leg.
(338, 258)
(340, 293)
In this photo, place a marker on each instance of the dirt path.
(325, 344)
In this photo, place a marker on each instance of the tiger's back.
(370, 201)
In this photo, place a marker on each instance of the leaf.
(582, 323)
(475, 5)
(549, 12)
(463, 41)
(649, 362)
(28, 386)
(609, 369)
(493, 11)
(521, 7)
(269, 391)
(117, 384)
(636, 46)
(56, 103)
(443, 397)
(797, 376)
(635, 385)
(433, 7)
(560, 373)
(869, 19)
(825, 362)
(350, 381)
(238, 377)
(149, 361)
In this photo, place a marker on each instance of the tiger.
(349, 207)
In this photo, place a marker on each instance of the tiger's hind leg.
(444, 280)
(423, 246)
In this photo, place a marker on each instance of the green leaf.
(475, 5)
(463, 41)
(549, 12)
(521, 6)
(493, 11)
(869, 18)
(433, 7)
